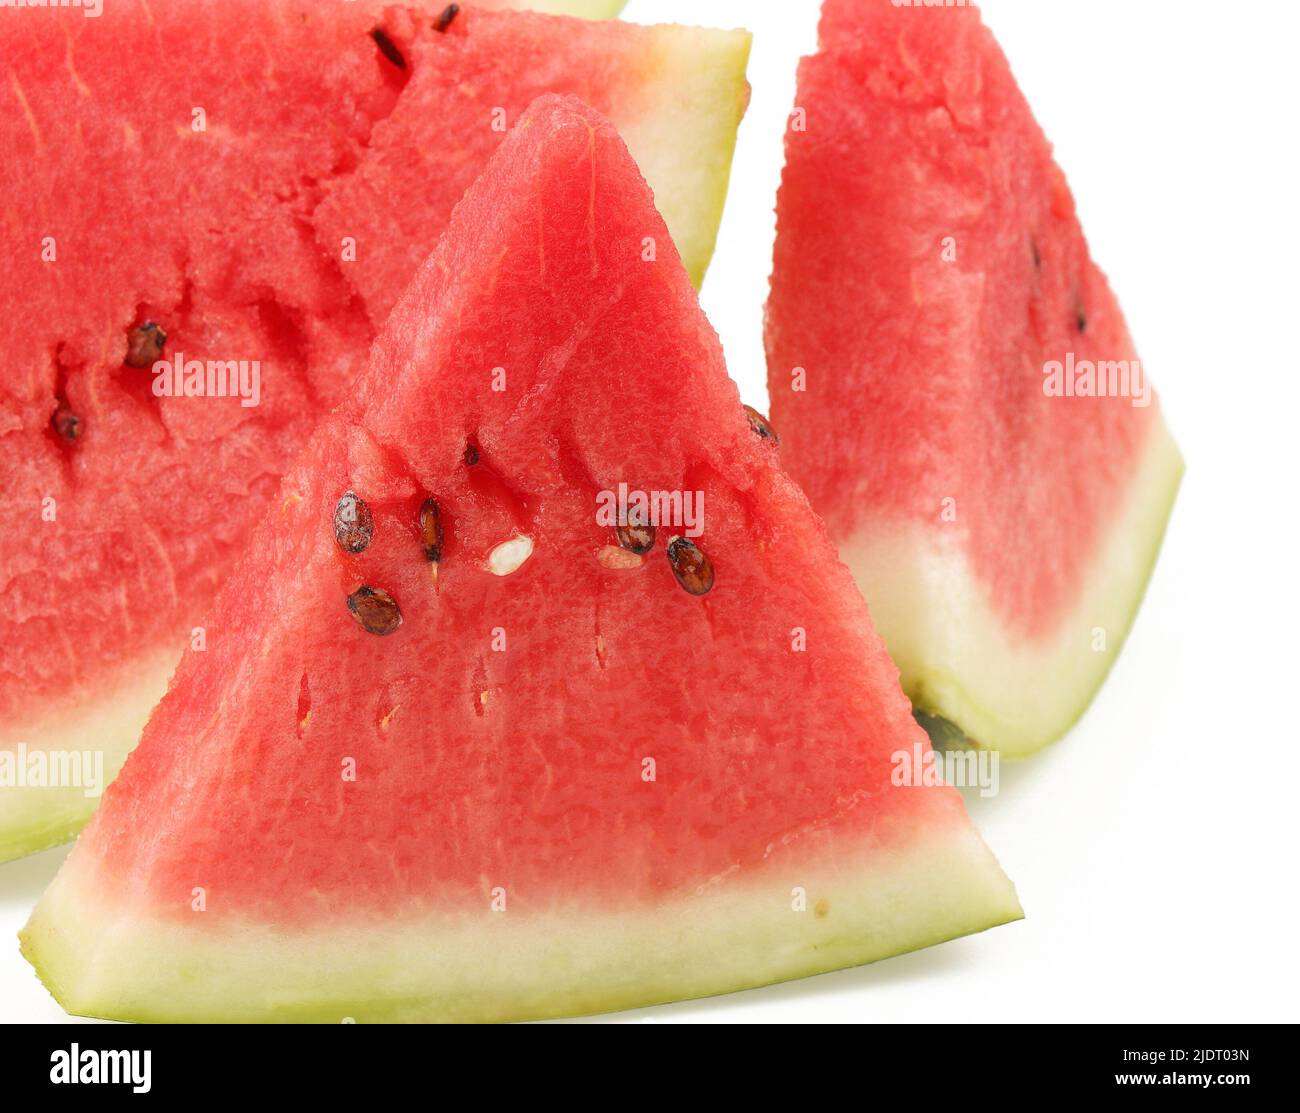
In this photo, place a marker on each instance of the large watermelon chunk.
(930, 278)
(463, 750)
(281, 233)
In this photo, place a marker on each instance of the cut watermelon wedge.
(929, 267)
(458, 749)
(279, 233)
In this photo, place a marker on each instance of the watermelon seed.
(619, 560)
(388, 48)
(66, 423)
(1080, 316)
(144, 344)
(376, 610)
(510, 556)
(354, 525)
(431, 530)
(761, 425)
(450, 12)
(471, 454)
(635, 538)
(1038, 256)
(304, 704)
(694, 571)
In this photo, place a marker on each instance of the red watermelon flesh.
(929, 267)
(235, 240)
(577, 785)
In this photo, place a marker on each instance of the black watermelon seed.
(144, 344)
(450, 12)
(66, 423)
(635, 539)
(1038, 255)
(375, 610)
(1081, 318)
(761, 425)
(388, 48)
(694, 571)
(431, 530)
(354, 525)
(471, 454)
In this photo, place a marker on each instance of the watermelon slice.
(459, 749)
(280, 234)
(929, 267)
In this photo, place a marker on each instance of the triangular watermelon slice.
(258, 180)
(461, 748)
(931, 280)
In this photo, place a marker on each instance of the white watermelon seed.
(509, 556)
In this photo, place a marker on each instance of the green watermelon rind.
(999, 713)
(705, 68)
(36, 818)
(583, 9)
(98, 962)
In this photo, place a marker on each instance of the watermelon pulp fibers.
(279, 232)
(929, 266)
(576, 786)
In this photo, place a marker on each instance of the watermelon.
(334, 140)
(934, 316)
(459, 747)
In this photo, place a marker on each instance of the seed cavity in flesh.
(388, 48)
(509, 556)
(450, 12)
(694, 571)
(431, 530)
(66, 423)
(375, 610)
(354, 525)
(636, 539)
(761, 425)
(144, 344)
(620, 560)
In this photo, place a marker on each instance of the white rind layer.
(585, 9)
(958, 657)
(103, 960)
(33, 818)
(701, 74)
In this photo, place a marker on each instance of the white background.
(1154, 848)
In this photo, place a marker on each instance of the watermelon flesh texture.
(501, 852)
(232, 239)
(929, 264)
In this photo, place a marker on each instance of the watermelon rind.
(100, 961)
(585, 9)
(691, 169)
(102, 730)
(958, 658)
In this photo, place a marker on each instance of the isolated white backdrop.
(1154, 849)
